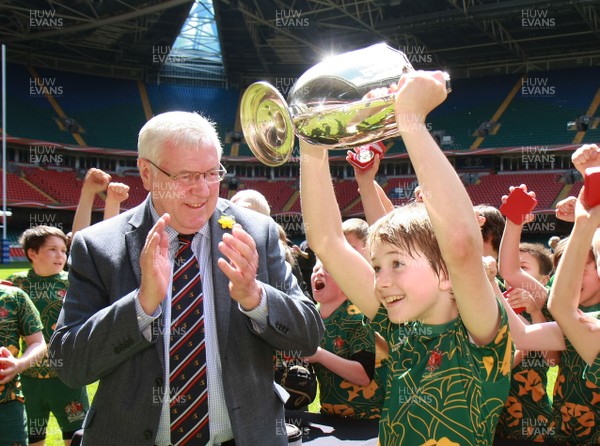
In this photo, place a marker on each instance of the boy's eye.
(397, 264)
(376, 269)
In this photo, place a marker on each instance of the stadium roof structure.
(266, 39)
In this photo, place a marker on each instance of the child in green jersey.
(576, 404)
(46, 284)
(19, 319)
(576, 289)
(345, 360)
(526, 266)
(425, 289)
(347, 363)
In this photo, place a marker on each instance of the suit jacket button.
(147, 434)
(158, 382)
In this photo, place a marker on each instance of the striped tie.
(189, 394)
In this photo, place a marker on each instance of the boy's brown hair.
(409, 228)
(493, 228)
(33, 238)
(541, 254)
(560, 249)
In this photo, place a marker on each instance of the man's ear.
(480, 220)
(145, 174)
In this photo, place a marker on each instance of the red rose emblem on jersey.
(338, 343)
(434, 361)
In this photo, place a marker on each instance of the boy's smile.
(408, 287)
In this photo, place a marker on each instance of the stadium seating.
(29, 114)
(490, 188)
(219, 104)
(539, 113)
(18, 191)
(137, 193)
(277, 193)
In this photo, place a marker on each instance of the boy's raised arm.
(323, 225)
(509, 263)
(448, 204)
(375, 203)
(567, 286)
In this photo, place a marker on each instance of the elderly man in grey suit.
(115, 324)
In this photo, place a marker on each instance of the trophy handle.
(267, 124)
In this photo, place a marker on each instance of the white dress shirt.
(220, 425)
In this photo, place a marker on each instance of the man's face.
(190, 206)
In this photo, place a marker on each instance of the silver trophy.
(326, 106)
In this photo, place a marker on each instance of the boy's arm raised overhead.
(448, 205)
(323, 225)
(577, 282)
(375, 203)
(509, 263)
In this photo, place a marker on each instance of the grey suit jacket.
(98, 337)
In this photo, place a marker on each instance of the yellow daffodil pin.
(226, 221)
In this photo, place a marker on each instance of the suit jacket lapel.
(141, 223)
(221, 298)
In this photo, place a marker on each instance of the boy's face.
(356, 243)
(408, 287)
(50, 259)
(530, 265)
(324, 287)
(590, 286)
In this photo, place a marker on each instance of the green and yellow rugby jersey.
(527, 414)
(576, 404)
(18, 317)
(441, 388)
(47, 294)
(346, 335)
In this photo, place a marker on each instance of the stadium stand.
(539, 113)
(30, 114)
(21, 192)
(490, 188)
(219, 104)
(277, 193)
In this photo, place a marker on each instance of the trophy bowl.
(326, 106)
(267, 124)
